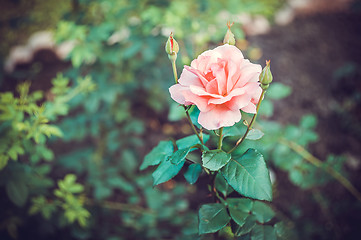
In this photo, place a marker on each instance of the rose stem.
(174, 71)
(192, 125)
(220, 138)
(251, 123)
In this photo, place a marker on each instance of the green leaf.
(249, 224)
(160, 153)
(222, 186)
(249, 175)
(190, 141)
(76, 188)
(192, 173)
(262, 212)
(179, 155)
(263, 232)
(242, 204)
(215, 159)
(120, 183)
(278, 91)
(17, 192)
(212, 217)
(254, 134)
(308, 121)
(239, 209)
(165, 171)
(236, 130)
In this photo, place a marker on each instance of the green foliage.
(71, 204)
(249, 175)
(254, 134)
(179, 156)
(158, 154)
(119, 48)
(222, 186)
(166, 171)
(212, 218)
(215, 159)
(18, 192)
(262, 212)
(239, 209)
(192, 173)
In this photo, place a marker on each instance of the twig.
(119, 206)
(318, 163)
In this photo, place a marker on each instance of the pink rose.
(220, 82)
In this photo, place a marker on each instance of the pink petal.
(239, 102)
(198, 73)
(219, 71)
(250, 108)
(200, 101)
(219, 116)
(256, 95)
(212, 87)
(249, 73)
(202, 62)
(176, 92)
(229, 52)
(223, 99)
(233, 75)
(200, 91)
(188, 78)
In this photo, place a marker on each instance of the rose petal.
(176, 92)
(200, 101)
(223, 99)
(212, 87)
(229, 52)
(239, 102)
(250, 108)
(198, 73)
(188, 78)
(202, 92)
(219, 71)
(249, 73)
(219, 116)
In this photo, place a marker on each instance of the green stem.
(119, 206)
(192, 125)
(220, 138)
(318, 163)
(174, 71)
(250, 124)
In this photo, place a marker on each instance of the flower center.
(209, 76)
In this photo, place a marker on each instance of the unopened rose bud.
(265, 78)
(229, 37)
(172, 47)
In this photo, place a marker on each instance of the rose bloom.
(220, 82)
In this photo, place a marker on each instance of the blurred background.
(84, 96)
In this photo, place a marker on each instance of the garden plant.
(124, 141)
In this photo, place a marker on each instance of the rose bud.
(265, 78)
(172, 47)
(229, 37)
